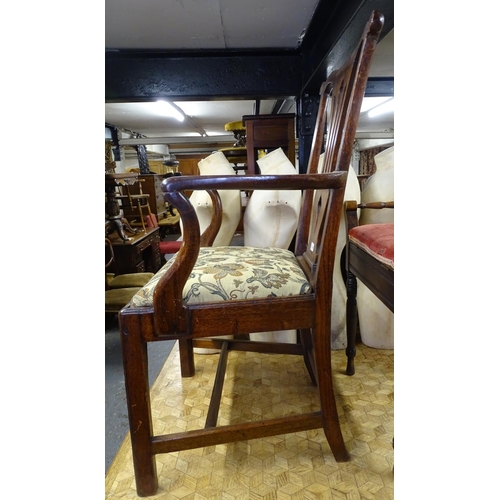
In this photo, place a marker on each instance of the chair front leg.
(135, 367)
(329, 414)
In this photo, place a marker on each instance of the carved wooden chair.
(219, 291)
(136, 202)
(369, 258)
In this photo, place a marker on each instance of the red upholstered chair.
(370, 258)
(208, 236)
(166, 247)
(205, 292)
(170, 247)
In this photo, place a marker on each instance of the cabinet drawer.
(141, 267)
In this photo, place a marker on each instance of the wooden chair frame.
(378, 277)
(141, 198)
(171, 318)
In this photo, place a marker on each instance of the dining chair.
(206, 292)
(369, 259)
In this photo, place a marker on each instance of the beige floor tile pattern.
(289, 467)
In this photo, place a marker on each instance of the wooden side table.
(269, 132)
(140, 253)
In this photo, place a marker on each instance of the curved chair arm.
(169, 311)
(253, 182)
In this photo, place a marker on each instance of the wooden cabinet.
(188, 163)
(152, 186)
(269, 132)
(141, 253)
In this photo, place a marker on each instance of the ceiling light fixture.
(372, 102)
(386, 107)
(169, 109)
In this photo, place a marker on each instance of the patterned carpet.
(290, 467)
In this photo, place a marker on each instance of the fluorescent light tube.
(167, 109)
(372, 102)
(385, 107)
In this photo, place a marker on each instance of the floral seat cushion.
(232, 272)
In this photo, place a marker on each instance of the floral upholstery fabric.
(232, 272)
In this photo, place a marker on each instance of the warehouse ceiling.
(224, 25)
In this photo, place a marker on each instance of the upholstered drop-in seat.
(377, 240)
(238, 273)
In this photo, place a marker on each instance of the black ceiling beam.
(144, 75)
(333, 34)
(135, 75)
(379, 86)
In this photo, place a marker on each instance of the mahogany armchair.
(207, 292)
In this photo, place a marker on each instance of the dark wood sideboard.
(138, 254)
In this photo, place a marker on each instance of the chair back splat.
(206, 292)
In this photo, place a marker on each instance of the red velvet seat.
(377, 240)
(168, 247)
